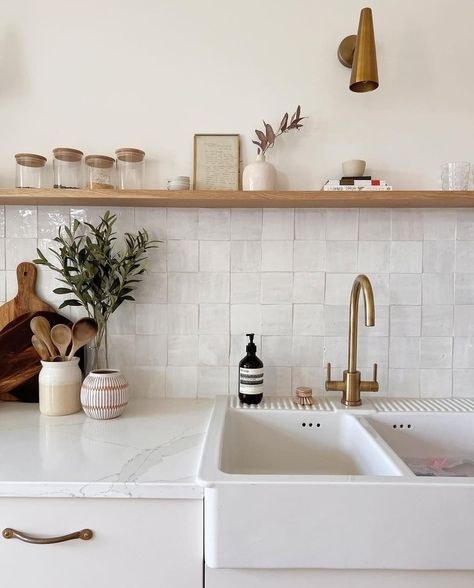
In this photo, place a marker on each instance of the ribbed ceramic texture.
(104, 395)
(423, 404)
(283, 403)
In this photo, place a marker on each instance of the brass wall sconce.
(358, 52)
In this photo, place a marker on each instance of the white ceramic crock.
(104, 394)
(259, 175)
(60, 387)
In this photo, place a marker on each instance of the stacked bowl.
(179, 183)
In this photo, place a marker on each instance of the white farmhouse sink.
(282, 492)
(440, 439)
(289, 443)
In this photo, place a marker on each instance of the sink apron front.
(341, 525)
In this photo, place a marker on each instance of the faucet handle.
(328, 371)
(370, 385)
(333, 385)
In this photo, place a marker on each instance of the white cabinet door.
(137, 543)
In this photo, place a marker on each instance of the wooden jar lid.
(100, 161)
(30, 159)
(130, 154)
(67, 154)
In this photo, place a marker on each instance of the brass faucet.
(351, 386)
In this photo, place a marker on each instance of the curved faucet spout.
(360, 283)
(352, 385)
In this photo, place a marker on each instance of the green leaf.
(71, 302)
(92, 268)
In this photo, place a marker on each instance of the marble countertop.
(152, 451)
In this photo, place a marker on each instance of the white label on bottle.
(251, 380)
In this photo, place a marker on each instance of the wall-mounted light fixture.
(358, 52)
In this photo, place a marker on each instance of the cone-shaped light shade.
(364, 76)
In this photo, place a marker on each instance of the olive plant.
(98, 274)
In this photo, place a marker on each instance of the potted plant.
(98, 274)
(261, 175)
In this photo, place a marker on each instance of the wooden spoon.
(40, 348)
(83, 331)
(61, 336)
(41, 328)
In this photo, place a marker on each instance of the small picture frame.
(216, 162)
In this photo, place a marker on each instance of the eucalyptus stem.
(266, 138)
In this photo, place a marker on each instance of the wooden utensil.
(61, 336)
(40, 347)
(83, 331)
(42, 329)
(26, 299)
(19, 362)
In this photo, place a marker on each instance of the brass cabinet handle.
(84, 534)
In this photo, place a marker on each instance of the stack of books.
(357, 184)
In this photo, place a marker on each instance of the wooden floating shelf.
(238, 199)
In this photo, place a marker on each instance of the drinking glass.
(455, 175)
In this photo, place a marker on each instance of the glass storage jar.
(67, 167)
(29, 170)
(100, 172)
(130, 167)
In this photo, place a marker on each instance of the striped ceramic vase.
(104, 394)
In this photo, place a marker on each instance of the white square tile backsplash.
(285, 275)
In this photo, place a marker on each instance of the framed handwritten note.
(216, 162)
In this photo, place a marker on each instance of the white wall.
(100, 74)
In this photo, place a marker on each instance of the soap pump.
(251, 375)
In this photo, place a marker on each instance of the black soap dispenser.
(251, 375)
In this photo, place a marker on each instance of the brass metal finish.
(346, 49)
(359, 53)
(351, 385)
(84, 534)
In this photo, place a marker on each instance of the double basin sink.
(339, 488)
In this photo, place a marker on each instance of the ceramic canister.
(60, 387)
(104, 394)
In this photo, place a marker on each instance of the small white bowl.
(353, 167)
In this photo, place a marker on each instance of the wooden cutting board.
(19, 362)
(26, 300)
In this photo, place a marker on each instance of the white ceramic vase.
(259, 175)
(104, 394)
(60, 387)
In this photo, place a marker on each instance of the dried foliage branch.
(266, 139)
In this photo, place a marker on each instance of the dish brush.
(304, 396)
